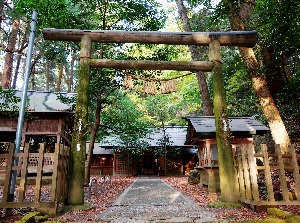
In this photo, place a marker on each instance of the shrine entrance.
(213, 40)
(148, 165)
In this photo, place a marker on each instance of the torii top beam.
(231, 38)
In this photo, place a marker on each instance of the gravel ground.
(153, 200)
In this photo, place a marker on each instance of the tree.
(207, 104)
(258, 79)
(128, 125)
(160, 109)
(123, 14)
(8, 67)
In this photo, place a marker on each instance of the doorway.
(148, 165)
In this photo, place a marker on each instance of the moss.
(292, 219)
(221, 204)
(77, 207)
(29, 217)
(41, 218)
(279, 213)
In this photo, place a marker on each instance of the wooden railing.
(274, 181)
(46, 186)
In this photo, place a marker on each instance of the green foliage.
(127, 125)
(241, 98)
(8, 102)
(289, 105)
(278, 213)
(68, 100)
(60, 14)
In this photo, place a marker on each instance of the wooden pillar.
(226, 167)
(78, 150)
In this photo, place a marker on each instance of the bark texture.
(260, 85)
(78, 150)
(203, 88)
(225, 156)
(9, 57)
(95, 128)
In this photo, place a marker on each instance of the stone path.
(150, 199)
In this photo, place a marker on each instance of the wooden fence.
(41, 178)
(267, 179)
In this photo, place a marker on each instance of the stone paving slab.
(153, 200)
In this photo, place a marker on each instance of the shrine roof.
(205, 125)
(43, 101)
(176, 134)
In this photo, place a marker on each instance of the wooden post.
(78, 150)
(282, 176)
(25, 161)
(153, 65)
(39, 174)
(295, 166)
(268, 176)
(246, 171)
(253, 172)
(225, 156)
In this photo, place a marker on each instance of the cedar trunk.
(225, 156)
(8, 65)
(60, 74)
(78, 150)
(203, 88)
(95, 128)
(260, 85)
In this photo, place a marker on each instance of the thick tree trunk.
(275, 79)
(205, 96)
(260, 85)
(8, 64)
(225, 156)
(204, 93)
(78, 150)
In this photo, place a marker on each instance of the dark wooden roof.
(177, 136)
(204, 126)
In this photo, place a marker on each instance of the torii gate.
(211, 39)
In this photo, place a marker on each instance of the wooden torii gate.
(211, 39)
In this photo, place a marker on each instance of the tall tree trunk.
(276, 81)
(260, 85)
(95, 128)
(70, 83)
(8, 66)
(48, 78)
(78, 149)
(59, 78)
(19, 58)
(225, 156)
(207, 103)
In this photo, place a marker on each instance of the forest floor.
(119, 184)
